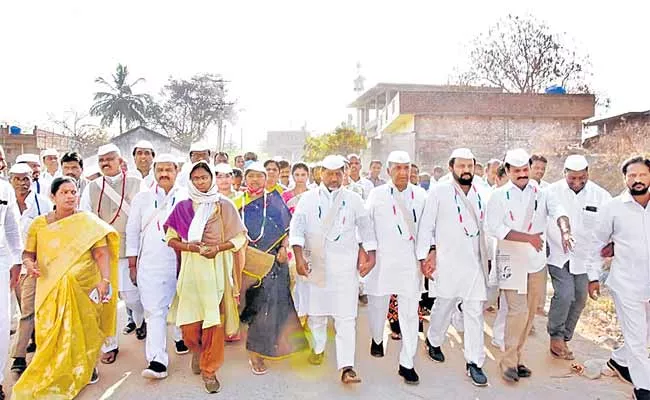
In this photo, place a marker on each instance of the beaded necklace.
(460, 215)
(532, 217)
(415, 218)
(101, 196)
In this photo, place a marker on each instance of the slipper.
(112, 358)
(396, 336)
(561, 356)
(349, 376)
(257, 371)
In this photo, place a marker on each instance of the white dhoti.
(408, 323)
(5, 317)
(472, 322)
(157, 286)
(129, 293)
(634, 318)
(346, 334)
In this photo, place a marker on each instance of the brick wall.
(437, 136)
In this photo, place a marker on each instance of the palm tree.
(119, 101)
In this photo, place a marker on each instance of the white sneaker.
(155, 371)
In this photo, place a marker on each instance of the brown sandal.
(109, 357)
(349, 376)
(258, 368)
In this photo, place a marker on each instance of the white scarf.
(207, 204)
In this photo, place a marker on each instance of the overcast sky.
(290, 62)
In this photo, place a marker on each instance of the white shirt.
(626, 223)
(338, 296)
(459, 271)
(397, 270)
(145, 236)
(365, 184)
(36, 205)
(583, 209)
(11, 245)
(513, 209)
(148, 182)
(46, 179)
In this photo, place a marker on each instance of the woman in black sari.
(274, 330)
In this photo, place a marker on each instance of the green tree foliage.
(187, 108)
(342, 141)
(119, 101)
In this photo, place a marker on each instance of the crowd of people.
(214, 244)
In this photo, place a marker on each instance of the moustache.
(638, 183)
(522, 177)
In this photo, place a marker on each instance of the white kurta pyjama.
(459, 272)
(397, 270)
(156, 263)
(10, 254)
(337, 295)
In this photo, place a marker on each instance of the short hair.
(438, 168)
(239, 156)
(282, 164)
(222, 153)
(299, 165)
(538, 157)
(413, 165)
(59, 181)
(501, 171)
(237, 173)
(250, 156)
(373, 162)
(72, 156)
(153, 153)
(478, 164)
(271, 161)
(634, 160)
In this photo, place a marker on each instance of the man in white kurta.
(143, 155)
(452, 248)
(34, 162)
(517, 215)
(152, 263)
(625, 222)
(28, 206)
(198, 151)
(395, 210)
(10, 263)
(50, 169)
(583, 200)
(323, 234)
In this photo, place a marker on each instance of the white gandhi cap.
(165, 157)
(399, 157)
(22, 168)
(49, 152)
(576, 162)
(199, 146)
(143, 144)
(333, 162)
(517, 158)
(108, 148)
(28, 158)
(223, 168)
(462, 153)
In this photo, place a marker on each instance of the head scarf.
(206, 201)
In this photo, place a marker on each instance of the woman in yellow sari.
(75, 310)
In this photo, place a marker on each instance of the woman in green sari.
(75, 308)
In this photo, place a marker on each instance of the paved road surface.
(295, 379)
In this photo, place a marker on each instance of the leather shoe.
(641, 394)
(523, 371)
(434, 352)
(376, 349)
(510, 375)
(410, 376)
(622, 372)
